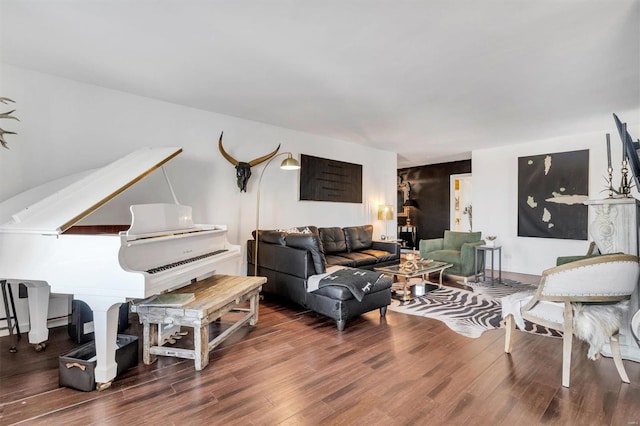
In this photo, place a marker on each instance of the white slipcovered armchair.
(563, 296)
(635, 326)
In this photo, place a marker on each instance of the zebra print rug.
(469, 313)
(498, 290)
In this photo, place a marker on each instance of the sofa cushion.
(358, 237)
(380, 255)
(333, 240)
(360, 258)
(310, 242)
(454, 240)
(449, 256)
(334, 259)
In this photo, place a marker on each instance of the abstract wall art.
(551, 191)
(322, 179)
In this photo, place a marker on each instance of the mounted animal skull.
(243, 170)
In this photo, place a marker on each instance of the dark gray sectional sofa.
(288, 259)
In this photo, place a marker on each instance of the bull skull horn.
(224, 153)
(252, 162)
(264, 157)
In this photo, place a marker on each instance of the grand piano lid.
(60, 210)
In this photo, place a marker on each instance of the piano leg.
(105, 322)
(38, 297)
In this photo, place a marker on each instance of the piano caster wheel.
(39, 347)
(103, 386)
(13, 349)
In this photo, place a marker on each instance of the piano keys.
(105, 265)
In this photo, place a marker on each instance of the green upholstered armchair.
(455, 248)
(591, 252)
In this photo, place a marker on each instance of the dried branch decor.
(3, 132)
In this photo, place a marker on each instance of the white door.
(461, 196)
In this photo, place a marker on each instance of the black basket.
(76, 369)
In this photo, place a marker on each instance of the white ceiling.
(430, 80)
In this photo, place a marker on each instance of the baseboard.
(51, 323)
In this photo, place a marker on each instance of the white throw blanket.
(512, 304)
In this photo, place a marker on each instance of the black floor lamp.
(288, 163)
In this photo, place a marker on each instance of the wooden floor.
(295, 368)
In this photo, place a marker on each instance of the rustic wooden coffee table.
(213, 297)
(419, 268)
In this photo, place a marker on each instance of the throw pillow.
(296, 230)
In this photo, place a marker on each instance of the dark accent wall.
(430, 188)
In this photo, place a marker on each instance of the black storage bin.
(80, 327)
(75, 370)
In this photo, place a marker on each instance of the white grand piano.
(105, 265)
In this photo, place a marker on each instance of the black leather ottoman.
(338, 303)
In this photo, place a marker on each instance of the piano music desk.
(214, 297)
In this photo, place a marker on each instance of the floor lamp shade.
(410, 203)
(288, 163)
(385, 212)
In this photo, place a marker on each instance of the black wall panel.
(430, 188)
(322, 179)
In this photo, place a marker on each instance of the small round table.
(486, 249)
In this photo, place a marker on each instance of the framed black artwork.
(551, 191)
(322, 179)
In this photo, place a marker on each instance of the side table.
(485, 250)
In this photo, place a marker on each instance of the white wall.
(66, 126)
(495, 191)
